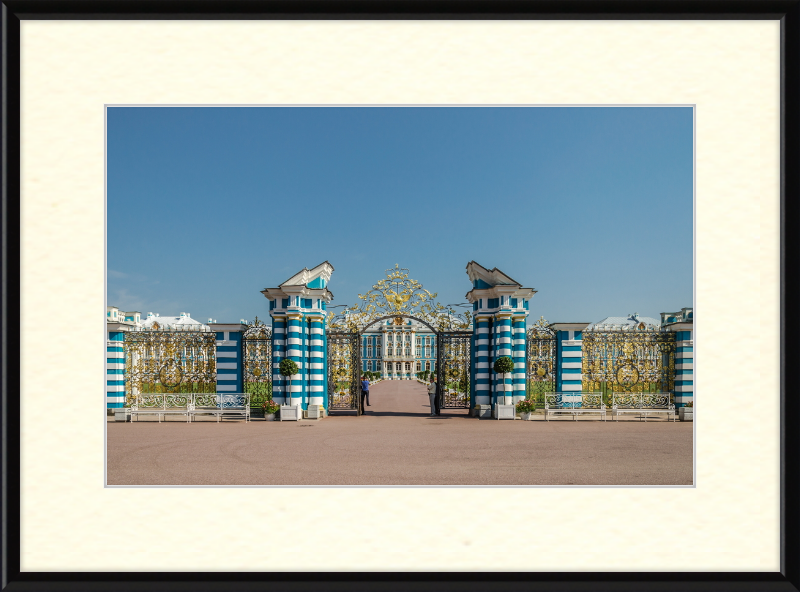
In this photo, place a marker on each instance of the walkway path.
(397, 443)
(404, 398)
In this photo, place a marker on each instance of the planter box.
(686, 413)
(122, 414)
(313, 412)
(290, 412)
(483, 412)
(505, 412)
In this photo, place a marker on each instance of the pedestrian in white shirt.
(432, 395)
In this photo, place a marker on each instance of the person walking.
(364, 392)
(432, 395)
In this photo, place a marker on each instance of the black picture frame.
(14, 11)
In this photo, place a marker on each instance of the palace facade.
(398, 351)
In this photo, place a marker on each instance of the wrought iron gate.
(344, 371)
(170, 362)
(540, 365)
(453, 366)
(628, 361)
(257, 363)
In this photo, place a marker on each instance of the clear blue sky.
(592, 207)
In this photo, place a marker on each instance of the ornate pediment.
(397, 296)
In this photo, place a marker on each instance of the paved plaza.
(398, 443)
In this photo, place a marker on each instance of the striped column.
(278, 353)
(684, 368)
(502, 347)
(317, 363)
(570, 359)
(295, 351)
(481, 360)
(472, 371)
(229, 362)
(115, 370)
(518, 355)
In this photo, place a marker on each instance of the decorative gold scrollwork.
(628, 361)
(541, 360)
(257, 362)
(398, 296)
(169, 362)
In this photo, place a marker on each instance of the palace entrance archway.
(390, 304)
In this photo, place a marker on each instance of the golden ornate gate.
(344, 371)
(635, 361)
(159, 361)
(540, 364)
(257, 362)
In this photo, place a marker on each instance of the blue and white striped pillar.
(279, 384)
(317, 367)
(518, 326)
(295, 351)
(569, 356)
(481, 327)
(228, 356)
(684, 363)
(115, 370)
(503, 383)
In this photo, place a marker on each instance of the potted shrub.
(503, 365)
(270, 408)
(525, 408)
(686, 413)
(289, 368)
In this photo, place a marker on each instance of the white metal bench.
(221, 405)
(643, 404)
(161, 405)
(574, 404)
(191, 405)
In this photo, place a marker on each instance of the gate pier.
(298, 308)
(500, 308)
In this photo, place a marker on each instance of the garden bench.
(191, 405)
(221, 405)
(643, 404)
(574, 404)
(161, 404)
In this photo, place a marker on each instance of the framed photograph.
(734, 66)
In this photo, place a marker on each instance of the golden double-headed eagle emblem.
(397, 300)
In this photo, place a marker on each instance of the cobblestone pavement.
(397, 443)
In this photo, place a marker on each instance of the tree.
(503, 365)
(288, 368)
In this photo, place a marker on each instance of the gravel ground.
(397, 443)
